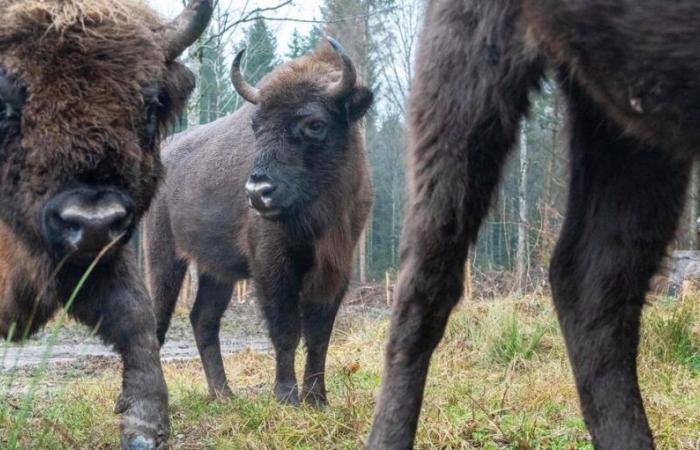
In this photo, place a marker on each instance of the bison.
(86, 89)
(630, 72)
(280, 192)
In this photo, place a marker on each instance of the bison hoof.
(143, 440)
(287, 393)
(144, 424)
(224, 393)
(316, 400)
(141, 443)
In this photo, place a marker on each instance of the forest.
(518, 237)
(500, 376)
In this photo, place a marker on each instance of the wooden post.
(468, 280)
(194, 283)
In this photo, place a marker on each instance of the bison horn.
(187, 27)
(343, 87)
(244, 89)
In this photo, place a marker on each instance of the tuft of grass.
(499, 380)
(671, 332)
(513, 342)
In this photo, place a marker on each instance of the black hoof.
(141, 443)
(315, 401)
(287, 395)
(221, 394)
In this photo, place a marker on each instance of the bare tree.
(521, 258)
(398, 35)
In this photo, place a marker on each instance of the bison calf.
(86, 87)
(278, 191)
(629, 70)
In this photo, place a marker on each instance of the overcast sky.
(300, 9)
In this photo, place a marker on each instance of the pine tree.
(311, 40)
(208, 84)
(260, 56)
(296, 45)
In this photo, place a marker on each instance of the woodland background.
(517, 238)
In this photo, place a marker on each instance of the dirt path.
(76, 345)
(78, 352)
(24, 357)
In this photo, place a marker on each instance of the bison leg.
(164, 270)
(212, 300)
(317, 324)
(278, 281)
(624, 205)
(283, 322)
(120, 309)
(469, 95)
(23, 309)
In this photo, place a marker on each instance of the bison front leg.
(119, 308)
(318, 318)
(624, 205)
(469, 95)
(278, 281)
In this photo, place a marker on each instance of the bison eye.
(315, 129)
(11, 98)
(154, 113)
(152, 117)
(8, 112)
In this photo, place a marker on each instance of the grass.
(500, 380)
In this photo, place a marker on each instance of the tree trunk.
(363, 257)
(521, 258)
(693, 208)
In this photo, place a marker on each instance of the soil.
(77, 352)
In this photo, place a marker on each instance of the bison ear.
(358, 103)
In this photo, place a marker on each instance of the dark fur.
(301, 262)
(87, 70)
(630, 72)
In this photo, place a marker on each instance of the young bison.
(86, 87)
(278, 191)
(631, 75)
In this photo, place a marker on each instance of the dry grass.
(499, 380)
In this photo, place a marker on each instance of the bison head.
(305, 129)
(86, 89)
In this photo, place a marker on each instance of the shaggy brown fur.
(301, 260)
(92, 75)
(631, 75)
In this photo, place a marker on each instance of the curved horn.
(347, 82)
(241, 86)
(187, 27)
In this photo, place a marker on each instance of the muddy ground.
(77, 352)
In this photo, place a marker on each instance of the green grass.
(499, 380)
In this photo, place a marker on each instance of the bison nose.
(83, 226)
(260, 189)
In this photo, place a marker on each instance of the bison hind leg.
(624, 205)
(213, 297)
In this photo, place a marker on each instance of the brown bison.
(630, 71)
(86, 88)
(278, 191)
